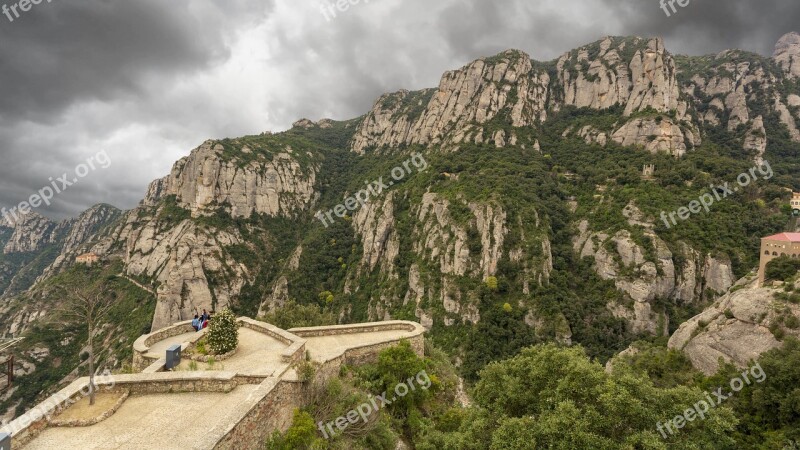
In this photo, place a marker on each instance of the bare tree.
(88, 305)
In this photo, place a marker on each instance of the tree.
(491, 283)
(529, 401)
(782, 268)
(89, 305)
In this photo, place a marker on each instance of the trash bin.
(173, 357)
(5, 441)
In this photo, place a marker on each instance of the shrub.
(780, 269)
(223, 332)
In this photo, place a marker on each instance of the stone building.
(87, 258)
(795, 202)
(783, 244)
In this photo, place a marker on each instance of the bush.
(223, 333)
(780, 269)
(302, 435)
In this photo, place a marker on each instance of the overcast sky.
(146, 81)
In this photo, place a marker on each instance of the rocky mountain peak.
(636, 73)
(31, 232)
(234, 176)
(473, 94)
(787, 53)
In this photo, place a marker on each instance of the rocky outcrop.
(32, 232)
(375, 223)
(600, 76)
(590, 135)
(444, 241)
(756, 139)
(736, 329)
(636, 73)
(474, 94)
(734, 88)
(646, 274)
(79, 236)
(787, 54)
(657, 135)
(787, 118)
(188, 263)
(205, 181)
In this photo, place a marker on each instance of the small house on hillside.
(87, 258)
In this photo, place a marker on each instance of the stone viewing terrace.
(234, 403)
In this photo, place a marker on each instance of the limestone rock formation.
(188, 263)
(476, 93)
(205, 181)
(736, 329)
(756, 139)
(31, 233)
(787, 54)
(635, 73)
(657, 135)
(647, 278)
(600, 76)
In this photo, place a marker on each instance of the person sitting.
(196, 324)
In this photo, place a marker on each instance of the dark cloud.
(705, 26)
(148, 80)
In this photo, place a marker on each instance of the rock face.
(787, 54)
(80, 234)
(636, 73)
(190, 266)
(600, 76)
(659, 135)
(733, 85)
(736, 329)
(476, 93)
(31, 233)
(648, 274)
(206, 181)
(448, 249)
(756, 140)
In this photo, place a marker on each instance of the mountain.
(34, 247)
(522, 214)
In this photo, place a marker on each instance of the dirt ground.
(82, 411)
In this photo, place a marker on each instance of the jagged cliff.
(737, 328)
(273, 184)
(35, 248)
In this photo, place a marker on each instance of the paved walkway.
(323, 348)
(257, 354)
(176, 420)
